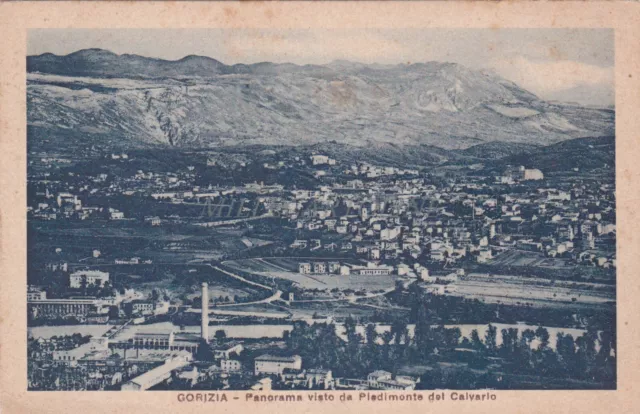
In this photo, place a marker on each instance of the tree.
(220, 336)
(204, 352)
(371, 334)
(476, 342)
(83, 284)
(527, 337)
(490, 339)
(543, 336)
(509, 341)
(452, 337)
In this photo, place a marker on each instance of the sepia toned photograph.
(321, 209)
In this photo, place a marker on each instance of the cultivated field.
(525, 258)
(282, 268)
(519, 290)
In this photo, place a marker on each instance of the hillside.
(582, 153)
(199, 102)
(497, 150)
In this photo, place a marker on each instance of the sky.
(556, 64)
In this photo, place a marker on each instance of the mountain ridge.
(199, 102)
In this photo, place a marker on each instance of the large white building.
(521, 174)
(93, 277)
(156, 375)
(271, 364)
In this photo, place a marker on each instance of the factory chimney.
(204, 329)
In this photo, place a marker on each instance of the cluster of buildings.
(343, 269)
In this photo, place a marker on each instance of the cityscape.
(179, 239)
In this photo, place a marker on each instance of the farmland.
(525, 258)
(283, 268)
(537, 292)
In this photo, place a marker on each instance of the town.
(279, 268)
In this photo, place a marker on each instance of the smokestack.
(204, 329)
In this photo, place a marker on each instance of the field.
(539, 292)
(335, 310)
(525, 258)
(166, 244)
(283, 268)
(49, 331)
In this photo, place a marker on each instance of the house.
(299, 244)
(304, 268)
(87, 277)
(116, 215)
(319, 267)
(224, 352)
(156, 375)
(334, 267)
(230, 365)
(374, 378)
(139, 307)
(311, 378)
(383, 380)
(271, 364)
(35, 294)
(263, 384)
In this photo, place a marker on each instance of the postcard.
(319, 206)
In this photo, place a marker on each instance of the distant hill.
(581, 153)
(497, 150)
(199, 102)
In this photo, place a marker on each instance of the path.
(242, 279)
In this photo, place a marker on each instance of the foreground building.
(271, 364)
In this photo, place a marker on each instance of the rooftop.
(275, 358)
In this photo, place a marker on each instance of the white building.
(156, 375)
(230, 365)
(304, 268)
(92, 277)
(270, 364)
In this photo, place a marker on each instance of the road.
(275, 296)
(242, 279)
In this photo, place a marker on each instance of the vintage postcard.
(290, 213)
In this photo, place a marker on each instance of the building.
(153, 340)
(116, 215)
(319, 267)
(311, 378)
(322, 160)
(271, 364)
(90, 277)
(156, 375)
(225, 351)
(35, 294)
(52, 308)
(304, 268)
(521, 174)
(334, 267)
(72, 356)
(374, 378)
(58, 266)
(139, 307)
(533, 174)
(319, 378)
(389, 233)
(264, 384)
(383, 380)
(371, 269)
(230, 365)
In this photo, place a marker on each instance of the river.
(273, 331)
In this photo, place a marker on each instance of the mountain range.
(199, 102)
